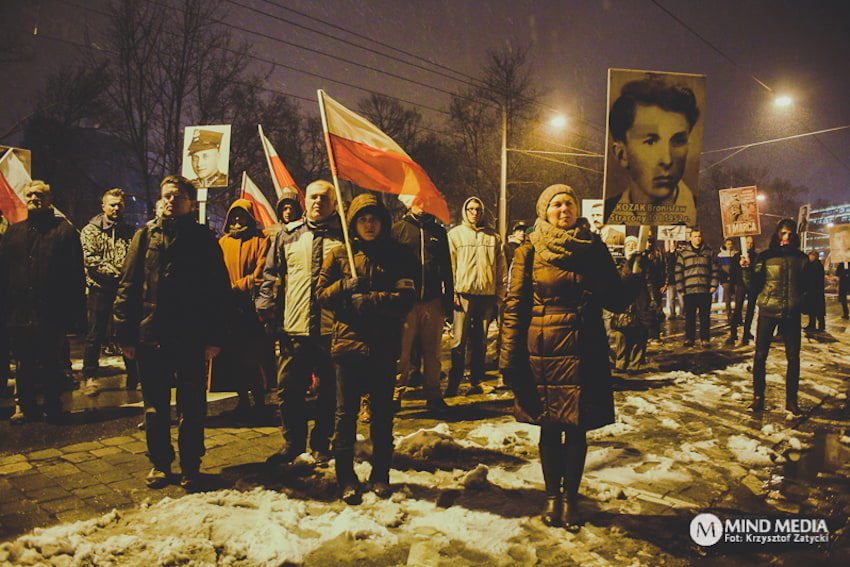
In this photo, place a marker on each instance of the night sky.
(799, 49)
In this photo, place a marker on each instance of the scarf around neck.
(555, 244)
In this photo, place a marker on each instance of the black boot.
(552, 464)
(346, 478)
(574, 454)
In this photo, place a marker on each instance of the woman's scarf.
(554, 244)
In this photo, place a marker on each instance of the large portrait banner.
(739, 212)
(654, 140)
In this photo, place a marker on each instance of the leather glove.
(355, 285)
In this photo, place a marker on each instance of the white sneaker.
(90, 388)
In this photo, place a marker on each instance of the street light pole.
(503, 186)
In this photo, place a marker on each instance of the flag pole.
(277, 188)
(339, 204)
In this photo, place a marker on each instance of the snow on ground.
(477, 496)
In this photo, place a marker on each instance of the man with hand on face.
(105, 239)
(425, 239)
(478, 264)
(43, 298)
(171, 312)
(778, 279)
(205, 153)
(287, 304)
(651, 124)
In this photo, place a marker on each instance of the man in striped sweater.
(697, 274)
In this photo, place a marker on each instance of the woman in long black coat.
(554, 349)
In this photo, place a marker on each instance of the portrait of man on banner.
(654, 139)
(739, 212)
(839, 244)
(206, 155)
(593, 211)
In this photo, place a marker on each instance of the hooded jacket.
(105, 245)
(426, 240)
(244, 253)
(287, 293)
(288, 195)
(42, 283)
(478, 260)
(368, 321)
(174, 287)
(778, 276)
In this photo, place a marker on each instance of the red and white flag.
(361, 153)
(263, 211)
(13, 180)
(279, 174)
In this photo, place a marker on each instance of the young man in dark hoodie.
(369, 310)
(426, 240)
(106, 240)
(778, 279)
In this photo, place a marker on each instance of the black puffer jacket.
(778, 278)
(174, 287)
(41, 266)
(368, 321)
(426, 241)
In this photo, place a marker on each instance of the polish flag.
(361, 153)
(279, 174)
(263, 211)
(13, 180)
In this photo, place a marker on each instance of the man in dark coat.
(742, 292)
(170, 313)
(814, 302)
(778, 279)
(696, 279)
(43, 292)
(426, 241)
(105, 239)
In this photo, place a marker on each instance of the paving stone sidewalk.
(84, 480)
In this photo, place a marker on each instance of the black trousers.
(99, 307)
(38, 351)
(162, 367)
(843, 290)
(300, 357)
(629, 347)
(355, 376)
(791, 336)
(697, 302)
(741, 293)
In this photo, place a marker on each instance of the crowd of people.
(348, 309)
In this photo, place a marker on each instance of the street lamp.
(761, 197)
(559, 121)
(782, 101)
